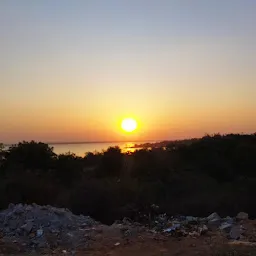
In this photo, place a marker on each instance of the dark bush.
(193, 177)
(111, 163)
(31, 155)
(68, 168)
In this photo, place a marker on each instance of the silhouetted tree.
(68, 168)
(31, 155)
(194, 177)
(111, 162)
(2, 153)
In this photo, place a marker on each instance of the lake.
(81, 148)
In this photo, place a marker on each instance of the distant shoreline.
(89, 142)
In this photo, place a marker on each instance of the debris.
(214, 224)
(154, 206)
(190, 219)
(33, 224)
(229, 220)
(39, 232)
(213, 216)
(174, 227)
(202, 230)
(214, 221)
(47, 227)
(242, 216)
(194, 234)
(246, 243)
(225, 226)
(27, 227)
(235, 232)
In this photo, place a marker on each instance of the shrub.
(31, 155)
(111, 163)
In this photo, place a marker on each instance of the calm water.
(81, 148)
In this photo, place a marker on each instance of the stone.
(214, 223)
(42, 244)
(235, 232)
(39, 232)
(203, 229)
(213, 216)
(27, 227)
(226, 226)
(191, 219)
(13, 224)
(242, 216)
(228, 220)
(194, 234)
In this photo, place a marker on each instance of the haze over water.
(81, 148)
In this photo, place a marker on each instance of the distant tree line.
(214, 173)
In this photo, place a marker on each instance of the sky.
(72, 70)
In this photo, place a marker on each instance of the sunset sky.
(72, 70)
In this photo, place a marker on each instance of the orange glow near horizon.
(73, 76)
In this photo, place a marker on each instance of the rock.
(27, 227)
(228, 220)
(213, 216)
(42, 244)
(202, 230)
(39, 232)
(214, 223)
(174, 227)
(242, 216)
(191, 219)
(235, 232)
(194, 234)
(226, 226)
(43, 226)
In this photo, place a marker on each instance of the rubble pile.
(195, 226)
(46, 227)
(43, 226)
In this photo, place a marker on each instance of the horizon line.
(84, 142)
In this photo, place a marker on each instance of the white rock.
(213, 216)
(242, 216)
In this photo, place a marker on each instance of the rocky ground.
(37, 230)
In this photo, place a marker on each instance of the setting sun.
(129, 124)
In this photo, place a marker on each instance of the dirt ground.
(111, 241)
